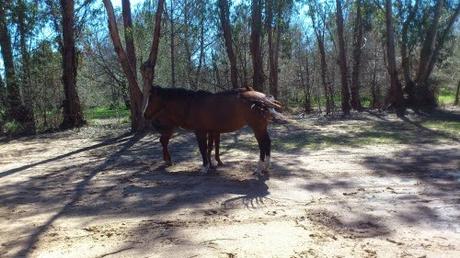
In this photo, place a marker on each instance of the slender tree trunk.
(137, 120)
(225, 23)
(73, 117)
(395, 94)
(148, 68)
(15, 108)
(273, 71)
(342, 60)
(172, 46)
(324, 80)
(27, 91)
(256, 52)
(307, 86)
(357, 44)
(457, 93)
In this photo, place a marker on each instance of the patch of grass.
(450, 127)
(107, 112)
(446, 96)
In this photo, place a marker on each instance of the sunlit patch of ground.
(370, 186)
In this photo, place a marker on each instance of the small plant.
(13, 128)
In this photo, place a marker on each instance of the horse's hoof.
(204, 170)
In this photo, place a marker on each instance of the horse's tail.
(266, 104)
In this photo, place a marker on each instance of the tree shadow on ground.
(125, 179)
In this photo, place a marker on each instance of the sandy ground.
(331, 192)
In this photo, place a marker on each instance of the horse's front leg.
(216, 137)
(210, 138)
(201, 138)
(164, 140)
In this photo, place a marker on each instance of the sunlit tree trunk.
(342, 60)
(73, 116)
(357, 44)
(395, 94)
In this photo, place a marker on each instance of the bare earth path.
(372, 186)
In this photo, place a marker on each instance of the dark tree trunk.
(15, 109)
(148, 68)
(457, 93)
(137, 120)
(307, 86)
(342, 60)
(73, 116)
(324, 80)
(357, 44)
(395, 94)
(225, 23)
(172, 46)
(256, 52)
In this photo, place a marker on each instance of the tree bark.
(395, 94)
(256, 52)
(273, 70)
(457, 93)
(15, 108)
(129, 39)
(135, 94)
(73, 117)
(225, 23)
(172, 46)
(148, 68)
(342, 60)
(357, 44)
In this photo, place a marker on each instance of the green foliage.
(446, 96)
(106, 113)
(13, 128)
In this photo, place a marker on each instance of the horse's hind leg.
(263, 139)
(210, 139)
(164, 140)
(201, 137)
(216, 153)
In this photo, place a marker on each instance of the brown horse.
(214, 113)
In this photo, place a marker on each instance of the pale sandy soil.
(367, 187)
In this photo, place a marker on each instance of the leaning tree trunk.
(135, 94)
(395, 94)
(73, 116)
(15, 109)
(148, 67)
(225, 23)
(256, 52)
(357, 43)
(342, 60)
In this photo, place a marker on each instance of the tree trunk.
(342, 60)
(73, 116)
(324, 80)
(148, 68)
(273, 70)
(172, 46)
(201, 57)
(225, 23)
(357, 44)
(395, 95)
(137, 120)
(129, 39)
(15, 109)
(256, 52)
(307, 86)
(457, 93)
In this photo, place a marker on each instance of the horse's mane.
(185, 93)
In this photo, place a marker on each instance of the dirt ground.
(370, 186)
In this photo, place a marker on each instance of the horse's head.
(153, 103)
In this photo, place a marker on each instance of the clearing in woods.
(371, 186)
